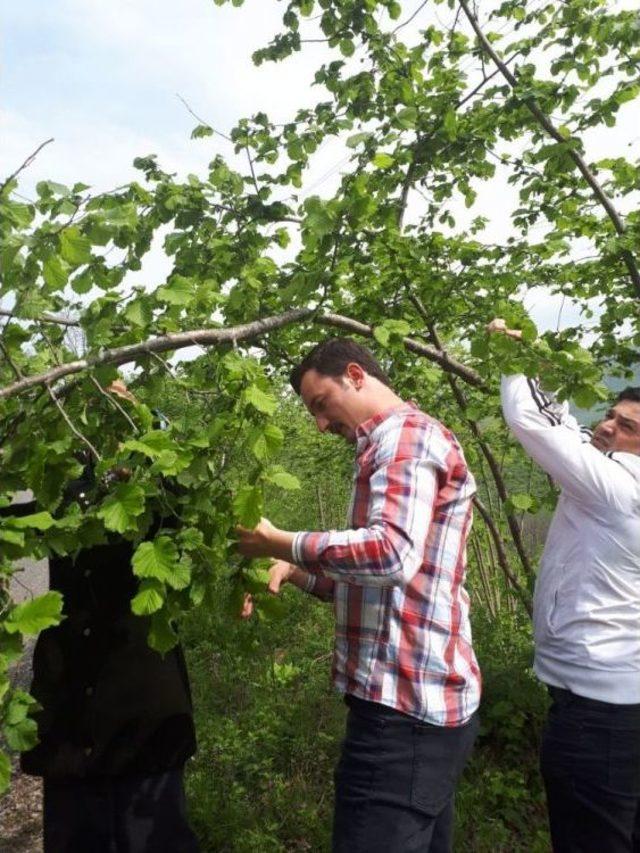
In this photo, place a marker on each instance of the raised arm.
(554, 439)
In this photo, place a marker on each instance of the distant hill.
(615, 385)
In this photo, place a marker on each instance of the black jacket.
(111, 706)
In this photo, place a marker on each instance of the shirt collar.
(365, 430)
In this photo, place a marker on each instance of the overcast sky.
(101, 77)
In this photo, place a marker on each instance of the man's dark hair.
(632, 394)
(331, 357)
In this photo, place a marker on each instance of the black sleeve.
(18, 509)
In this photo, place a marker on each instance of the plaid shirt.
(403, 637)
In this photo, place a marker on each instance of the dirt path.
(21, 816)
(21, 807)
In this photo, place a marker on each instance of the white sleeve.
(553, 438)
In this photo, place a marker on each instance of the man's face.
(331, 402)
(620, 429)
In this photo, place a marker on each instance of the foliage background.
(443, 117)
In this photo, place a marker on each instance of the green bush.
(270, 725)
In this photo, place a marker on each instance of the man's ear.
(356, 374)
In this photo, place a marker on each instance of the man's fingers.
(247, 606)
(278, 574)
(274, 585)
(496, 325)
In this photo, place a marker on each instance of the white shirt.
(587, 596)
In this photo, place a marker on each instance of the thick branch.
(123, 355)
(233, 334)
(551, 129)
(438, 356)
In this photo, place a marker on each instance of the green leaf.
(247, 506)
(162, 636)
(155, 559)
(347, 47)
(75, 248)
(407, 117)
(5, 771)
(259, 400)
(138, 313)
(180, 291)
(22, 736)
(201, 131)
(18, 707)
(13, 537)
(159, 559)
(38, 520)
(383, 161)
(450, 124)
(357, 139)
(282, 479)
(522, 501)
(55, 272)
(267, 443)
(391, 330)
(120, 510)
(35, 615)
(149, 599)
(382, 335)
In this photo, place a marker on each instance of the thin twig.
(26, 163)
(10, 361)
(411, 17)
(70, 423)
(569, 143)
(114, 403)
(202, 121)
(43, 318)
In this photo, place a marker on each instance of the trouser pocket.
(439, 756)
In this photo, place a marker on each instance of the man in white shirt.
(587, 615)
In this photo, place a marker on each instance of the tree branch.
(492, 462)
(233, 334)
(70, 423)
(432, 353)
(26, 163)
(551, 129)
(502, 556)
(44, 318)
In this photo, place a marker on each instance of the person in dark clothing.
(116, 724)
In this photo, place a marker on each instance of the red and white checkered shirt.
(403, 637)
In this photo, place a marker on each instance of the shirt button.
(86, 631)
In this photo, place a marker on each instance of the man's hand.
(247, 606)
(281, 572)
(265, 540)
(498, 326)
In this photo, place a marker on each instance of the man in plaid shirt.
(403, 654)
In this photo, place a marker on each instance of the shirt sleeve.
(553, 438)
(18, 510)
(390, 549)
(320, 586)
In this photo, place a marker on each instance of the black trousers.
(395, 781)
(130, 814)
(590, 762)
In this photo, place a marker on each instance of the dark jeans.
(395, 781)
(590, 762)
(131, 814)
